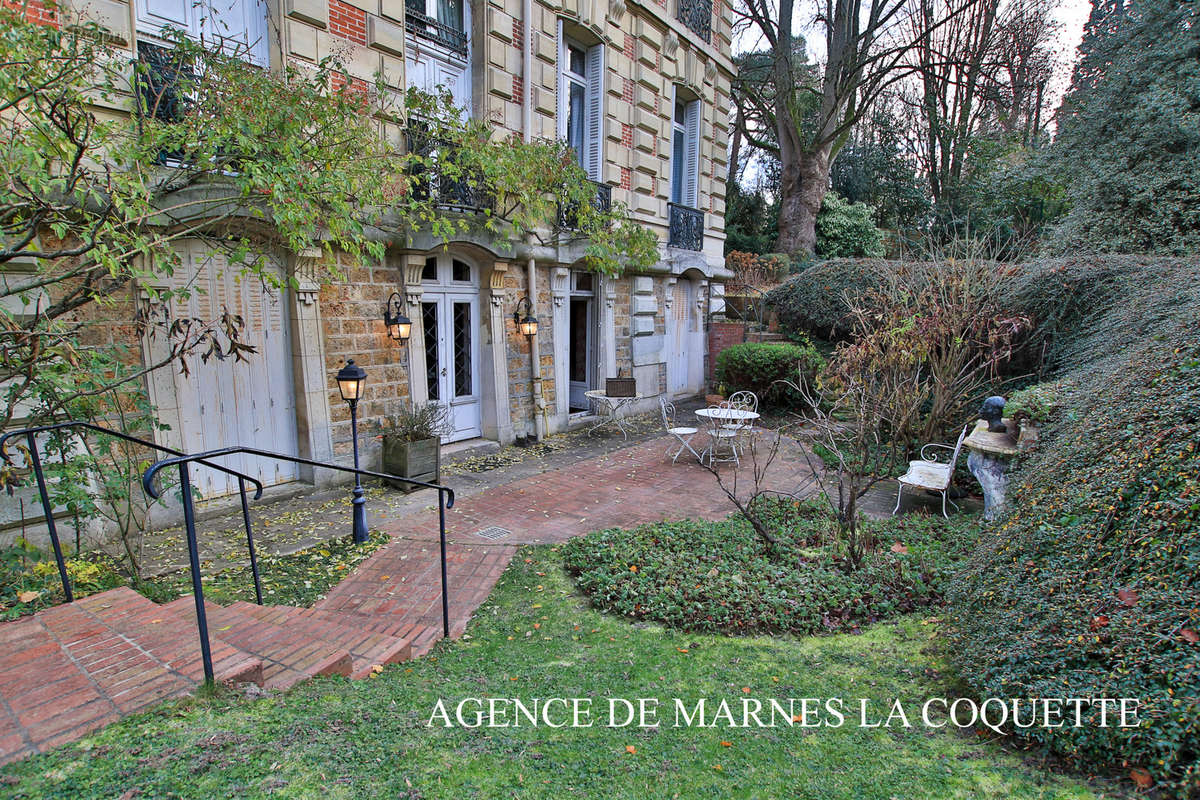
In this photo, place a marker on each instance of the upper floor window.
(440, 21)
(239, 26)
(685, 151)
(581, 102)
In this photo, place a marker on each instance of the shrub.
(762, 368)
(719, 577)
(1037, 403)
(847, 230)
(1090, 586)
(816, 300)
(29, 578)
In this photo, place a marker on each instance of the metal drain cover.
(493, 533)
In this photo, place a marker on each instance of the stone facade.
(652, 326)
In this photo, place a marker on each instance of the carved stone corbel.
(414, 265)
(496, 283)
(307, 286)
(560, 285)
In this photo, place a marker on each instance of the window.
(685, 151)
(440, 21)
(581, 102)
(240, 25)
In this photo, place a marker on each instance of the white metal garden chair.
(682, 433)
(745, 401)
(930, 474)
(722, 440)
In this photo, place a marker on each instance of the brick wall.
(722, 335)
(35, 11)
(347, 21)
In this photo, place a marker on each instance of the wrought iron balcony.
(568, 215)
(697, 15)
(685, 227)
(455, 191)
(421, 24)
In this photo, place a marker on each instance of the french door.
(450, 323)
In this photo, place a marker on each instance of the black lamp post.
(528, 324)
(399, 327)
(351, 379)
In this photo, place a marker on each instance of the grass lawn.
(537, 637)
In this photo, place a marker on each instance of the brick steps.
(74, 668)
(288, 656)
(367, 648)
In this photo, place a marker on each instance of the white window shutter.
(594, 157)
(153, 15)
(562, 82)
(691, 179)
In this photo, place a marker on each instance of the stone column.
(418, 389)
(560, 290)
(496, 360)
(607, 300)
(309, 373)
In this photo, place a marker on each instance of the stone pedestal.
(990, 459)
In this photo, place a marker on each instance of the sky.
(1071, 16)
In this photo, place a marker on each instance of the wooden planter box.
(421, 460)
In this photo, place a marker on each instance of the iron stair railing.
(35, 463)
(445, 500)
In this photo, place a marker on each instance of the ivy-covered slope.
(1090, 587)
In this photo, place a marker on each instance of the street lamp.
(528, 324)
(351, 379)
(399, 327)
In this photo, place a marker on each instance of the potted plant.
(412, 443)
(1032, 408)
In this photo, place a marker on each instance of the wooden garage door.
(223, 403)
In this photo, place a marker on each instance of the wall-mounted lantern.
(399, 327)
(528, 324)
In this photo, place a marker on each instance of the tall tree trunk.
(803, 181)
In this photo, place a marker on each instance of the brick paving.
(69, 670)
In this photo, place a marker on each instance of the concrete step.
(289, 655)
(367, 648)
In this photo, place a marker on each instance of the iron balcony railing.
(685, 227)
(421, 24)
(34, 457)
(445, 500)
(568, 214)
(697, 15)
(450, 185)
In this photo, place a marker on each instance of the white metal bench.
(929, 473)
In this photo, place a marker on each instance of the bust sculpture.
(991, 412)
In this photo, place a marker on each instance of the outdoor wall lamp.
(399, 327)
(351, 380)
(528, 324)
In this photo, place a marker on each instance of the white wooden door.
(680, 327)
(224, 402)
(451, 329)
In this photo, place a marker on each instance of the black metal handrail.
(445, 500)
(685, 227)
(35, 460)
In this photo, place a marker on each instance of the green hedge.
(847, 230)
(1090, 587)
(814, 301)
(762, 368)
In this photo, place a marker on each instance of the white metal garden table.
(716, 417)
(610, 410)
